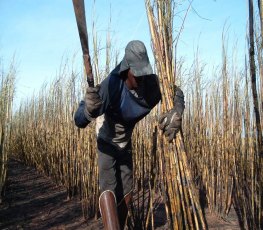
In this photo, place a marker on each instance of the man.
(126, 96)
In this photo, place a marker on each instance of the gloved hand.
(171, 121)
(93, 101)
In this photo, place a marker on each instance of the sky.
(40, 33)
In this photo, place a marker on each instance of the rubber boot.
(123, 208)
(108, 210)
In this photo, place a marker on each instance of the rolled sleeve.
(80, 118)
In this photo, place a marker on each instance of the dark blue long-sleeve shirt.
(121, 108)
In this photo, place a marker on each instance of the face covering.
(139, 90)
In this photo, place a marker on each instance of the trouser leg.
(124, 173)
(123, 208)
(125, 181)
(115, 169)
(115, 174)
(108, 210)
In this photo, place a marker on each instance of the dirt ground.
(33, 201)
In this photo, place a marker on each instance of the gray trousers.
(115, 169)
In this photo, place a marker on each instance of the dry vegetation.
(219, 159)
(7, 83)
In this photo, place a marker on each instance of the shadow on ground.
(33, 201)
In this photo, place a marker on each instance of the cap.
(136, 59)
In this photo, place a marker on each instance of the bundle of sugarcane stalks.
(182, 203)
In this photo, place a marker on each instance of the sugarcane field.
(131, 115)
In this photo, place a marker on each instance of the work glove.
(93, 101)
(171, 121)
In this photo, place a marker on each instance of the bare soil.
(33, 201)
